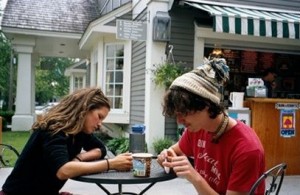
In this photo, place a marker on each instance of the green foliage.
(118, 145)
(6, 118)
(7, 115)
(104, 137)
(17, 139)
(5, 50)
(5, 60)
(50, 83)
(165, 73)
(50, 79)
(161, 144)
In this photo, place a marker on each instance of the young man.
(228, 156)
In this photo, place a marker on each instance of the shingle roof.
(50, 15)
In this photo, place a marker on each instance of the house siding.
(110, 5)
(182, 39)
(138, 76)
(182, 34)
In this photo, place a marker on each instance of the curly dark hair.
(183, 101)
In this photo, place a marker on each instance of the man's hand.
(166, 155)
(181, 166)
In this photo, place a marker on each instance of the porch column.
(25, 94)
(155, 54)
(199, 45)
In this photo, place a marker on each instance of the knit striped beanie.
(206, 79)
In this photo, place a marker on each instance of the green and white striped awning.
(249, 21)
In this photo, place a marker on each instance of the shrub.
(118, 145)
(102, 136)
(6, 118)
(162, 143)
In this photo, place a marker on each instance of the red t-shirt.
(234, 163)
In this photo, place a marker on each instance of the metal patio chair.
(8, 155)
(273, 178)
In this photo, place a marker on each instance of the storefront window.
(246, 64)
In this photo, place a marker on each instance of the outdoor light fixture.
(161, 26)
(217, 52)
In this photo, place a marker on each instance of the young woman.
(63, 146)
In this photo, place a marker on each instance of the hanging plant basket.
(165, 73)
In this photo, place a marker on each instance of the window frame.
(119, 115)
(81, 77)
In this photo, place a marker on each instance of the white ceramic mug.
(237, 99)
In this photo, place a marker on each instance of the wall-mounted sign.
(287, 123)
(287, 118)
(131, 30)
(292, 106)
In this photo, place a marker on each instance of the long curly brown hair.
(69, 115)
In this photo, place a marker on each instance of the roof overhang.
(48, 43)
(76, 68)
(100, 28)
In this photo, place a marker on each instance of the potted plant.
(166, 72)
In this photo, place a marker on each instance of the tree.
(5, 60)
(4, 63)
(51, 83)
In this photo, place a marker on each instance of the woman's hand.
(122, 162)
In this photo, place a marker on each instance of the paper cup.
(141, 164)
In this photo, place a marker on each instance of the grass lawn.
(17, 139)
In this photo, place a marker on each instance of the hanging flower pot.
(165, 73)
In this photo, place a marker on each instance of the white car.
(39, 110)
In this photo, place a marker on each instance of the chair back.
(273, 178)
(8, 155)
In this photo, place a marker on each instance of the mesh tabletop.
(118, 177)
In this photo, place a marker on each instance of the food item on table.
(170, 153)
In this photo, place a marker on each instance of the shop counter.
(277, 123)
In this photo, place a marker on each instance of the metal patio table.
(118, 177)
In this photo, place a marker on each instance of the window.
(78, 82)
(114, 71)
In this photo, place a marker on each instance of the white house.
(121, 40)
